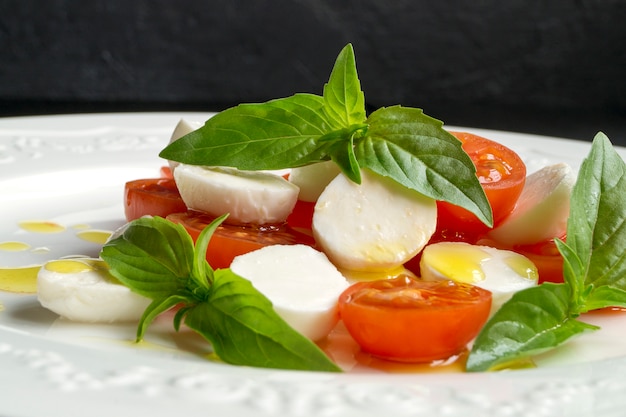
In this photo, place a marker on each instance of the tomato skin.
(410, 320)
(153, 196)
(229, 240)
(502, 174)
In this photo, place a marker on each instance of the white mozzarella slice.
(542, 209)
(84, 290)
(248, 196)
(312, 179)
(502, 272)
(182, 128)
(373, 226)
(302, 284)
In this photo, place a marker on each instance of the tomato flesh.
(153, 197)
(229, 240)
(410, 320)
(501, 173)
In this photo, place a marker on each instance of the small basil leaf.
(153, 256)
(202, 271)
(573, 274)
(155, 308)
(605, 296)
(344, 101)
(532, 321)
(343, 155)
(180, 315)
(278, 134)
(413, 149)
(244, 329)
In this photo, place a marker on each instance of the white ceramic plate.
(71, 169)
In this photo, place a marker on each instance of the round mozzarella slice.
(83, 290)
(302, 284)
(542, 209)
(373, 226)
(502, 272)
(312, 179)
(182, 128)
(248, 196)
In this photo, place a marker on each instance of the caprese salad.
(274, 222)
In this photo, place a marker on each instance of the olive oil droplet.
(14, 246)
(41, 226)
(20, 280)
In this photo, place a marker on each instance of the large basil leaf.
(278, 134)
(532, 321)
(596, 229)
(413, 149)
(244, 329)
(153, 256)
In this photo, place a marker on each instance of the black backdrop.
(552, 67)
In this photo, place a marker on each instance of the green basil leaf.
(413, 149)
(155, 308)
(605, 296)
(244, 329)
(153, 257)
(343, 155)
(344, 101)
(278, 134)
(202, 271)
(573, 275)
(532, 321)
(596, 229)
(180, 315)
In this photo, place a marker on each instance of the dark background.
(550, 67)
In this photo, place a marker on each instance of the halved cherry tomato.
(502, 174)
(410, 320)
(154, 197)
(229, 241)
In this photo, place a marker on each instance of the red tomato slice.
(502, 174)
(409, 320)
(229, 240)
(154, 197)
